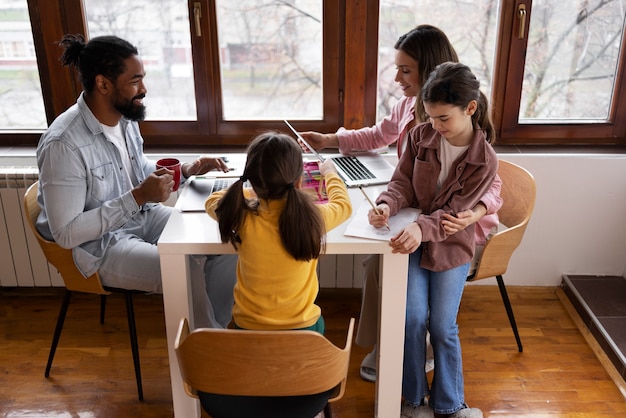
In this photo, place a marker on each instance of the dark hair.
(455, 84)
(103, 55)
(429, 46)
(273, 166)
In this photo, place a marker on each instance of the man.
(99, 193)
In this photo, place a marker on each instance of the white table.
(196, 233)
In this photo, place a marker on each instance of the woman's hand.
(407, 241)
(453, 224)
(318, 140)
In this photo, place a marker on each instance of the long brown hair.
(429, 46)
(455, 84)
(273, 167)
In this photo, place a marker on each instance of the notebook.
(196, 191)
(366, 169)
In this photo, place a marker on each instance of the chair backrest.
(261, 363)
(518, 194)
(59, 257)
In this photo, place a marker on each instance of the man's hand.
(203, 165)
(155, 188)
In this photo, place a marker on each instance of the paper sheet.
(360, 227)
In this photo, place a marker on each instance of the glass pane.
(471, 27)
(21, 100)
(571, 61)
(160, 31)
(271, 59)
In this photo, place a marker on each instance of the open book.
(360, 226)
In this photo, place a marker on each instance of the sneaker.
(430, 365)
(467, 413)
(368, 367)
(422, 411)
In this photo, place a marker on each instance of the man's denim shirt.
(83, 190)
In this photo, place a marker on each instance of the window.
(218, 72)
(475, 47)
(160, 31)
(271, 56)
(264, 62)
(562, 72)
(21, 99)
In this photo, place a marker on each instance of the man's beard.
(130, 110)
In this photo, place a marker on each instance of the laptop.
(195, 192)
(366, 169)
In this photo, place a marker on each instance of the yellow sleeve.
(212, 201)
(339, 208)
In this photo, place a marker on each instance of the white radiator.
(22, 262)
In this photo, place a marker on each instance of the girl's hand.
(380, 219)
(328, 166)
(407, 241)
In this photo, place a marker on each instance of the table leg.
(177, 305)
(393, 274)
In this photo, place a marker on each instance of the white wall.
(579, 222)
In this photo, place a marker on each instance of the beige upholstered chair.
(518, 194)
(62, 260)
(248, 363)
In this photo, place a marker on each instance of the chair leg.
(328, 413)
(103, 305)
(509, 311)
(58, 329)
(132, 330)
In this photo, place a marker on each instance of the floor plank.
(557, 375)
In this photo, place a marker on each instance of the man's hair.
(101, 55)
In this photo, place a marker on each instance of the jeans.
(433, 300)
(132, 262)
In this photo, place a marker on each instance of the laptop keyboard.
(353, 168)
(219, 184)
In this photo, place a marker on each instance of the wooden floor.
(557, 375)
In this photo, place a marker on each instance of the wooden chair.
(248, 363)
(62, 260)
(518, 194)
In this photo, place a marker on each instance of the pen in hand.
(373, 205)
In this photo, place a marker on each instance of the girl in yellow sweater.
(279, 236)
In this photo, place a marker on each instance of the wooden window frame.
(508, 77)
(350, 77)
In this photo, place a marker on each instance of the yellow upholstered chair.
(62, 260)
(252, 364)
(518, 194)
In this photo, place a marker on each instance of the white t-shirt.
(448, 154)
(116, 136)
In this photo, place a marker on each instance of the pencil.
(372, 205)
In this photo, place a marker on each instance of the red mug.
(171, 164)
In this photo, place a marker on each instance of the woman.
(418, 52)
